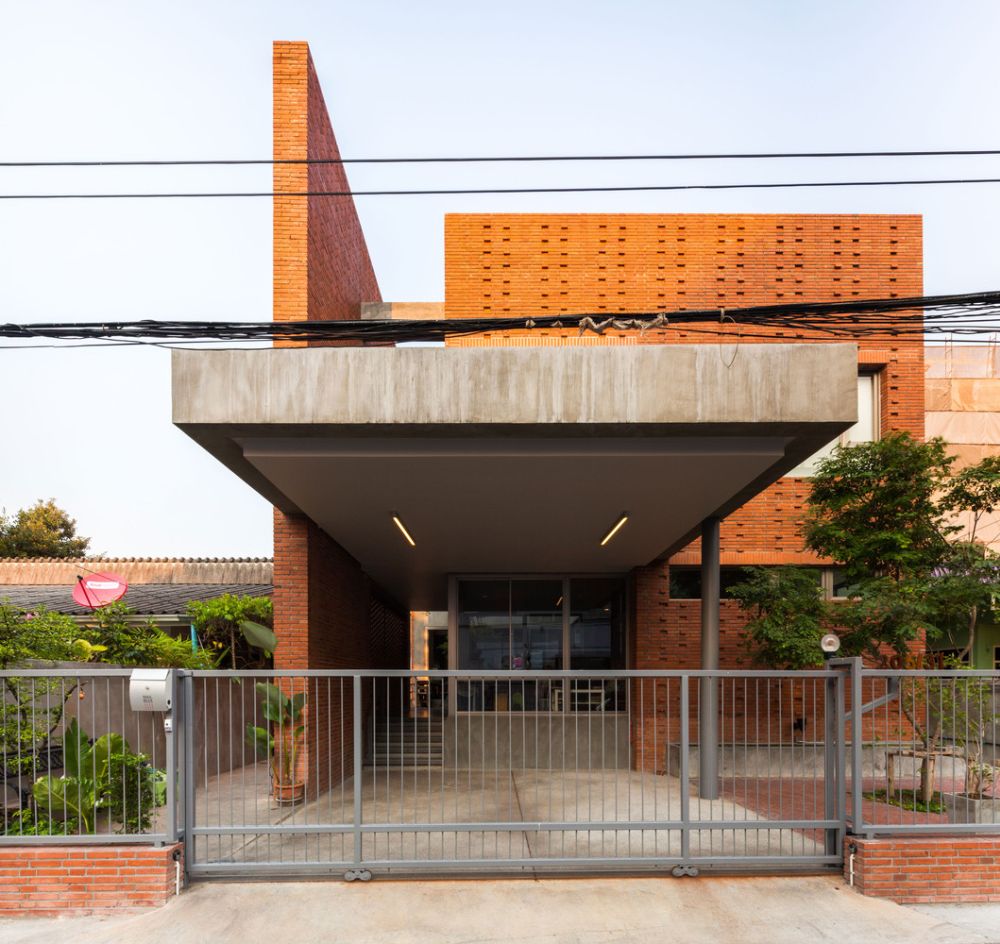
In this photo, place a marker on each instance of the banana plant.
(82, 790)
(284, 712)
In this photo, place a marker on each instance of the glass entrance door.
(538, 624)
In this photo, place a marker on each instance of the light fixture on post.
(397, 521)
(615, 528)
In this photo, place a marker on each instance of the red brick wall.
(921, 869)
(63, 880)
(322, 271)
(329, 615)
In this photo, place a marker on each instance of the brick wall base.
(40, 881)
(923, 870)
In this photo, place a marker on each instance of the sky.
(90, 427)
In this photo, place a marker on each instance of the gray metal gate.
(510, 772)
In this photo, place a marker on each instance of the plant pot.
(962, 808)
(285, 793)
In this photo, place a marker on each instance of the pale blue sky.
(192, 79)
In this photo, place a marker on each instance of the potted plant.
(282, 742)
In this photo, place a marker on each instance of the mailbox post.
(154, 690)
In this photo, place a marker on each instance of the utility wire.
(534, 158)
(915, 318)
(642, 188)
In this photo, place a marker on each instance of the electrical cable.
(535, 158)
(972, 316)
(473, 191)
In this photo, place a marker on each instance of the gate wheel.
(359, 875)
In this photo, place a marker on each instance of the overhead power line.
(510, 159)
(974, 316)
(466, 191)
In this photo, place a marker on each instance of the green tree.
(787, 615)
(43, 530)
(884, 512)
(129, 640)
(31, 708)
(873, 508)
(235, 629)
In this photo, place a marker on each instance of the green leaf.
(70, 795)
(275, 707)
(105, 747)
(259, 636)
(296, 704)
(76, 750)
(260, 740)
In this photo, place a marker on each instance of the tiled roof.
(138, 570)
(151, 599)
(104, 561)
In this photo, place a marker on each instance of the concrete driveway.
(553, 911)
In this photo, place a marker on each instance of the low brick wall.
(918, 869)
(60, 880)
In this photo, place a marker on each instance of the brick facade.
(926, 870)
(329, 615)
(322, 271)
(543, 264)
(64, 880)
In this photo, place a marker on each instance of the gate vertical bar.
(831, 843)
(841, 759)
(857, 771)
(685, 771)
(187, 719)
(358, 762)
(173, 771)
(708, 713)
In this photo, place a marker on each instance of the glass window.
(685, 582)
(596, 624)
(517, 624)
(484, 624)
(864, 430)
(536, 608)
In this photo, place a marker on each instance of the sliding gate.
(361, 773)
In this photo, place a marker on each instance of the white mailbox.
(149, 690)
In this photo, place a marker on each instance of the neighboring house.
(159, 588)
(508, 459)
(963, 407)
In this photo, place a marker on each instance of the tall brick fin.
(322, 270)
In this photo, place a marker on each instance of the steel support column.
(708, 708)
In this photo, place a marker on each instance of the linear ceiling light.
(402, 527)
(622, 518)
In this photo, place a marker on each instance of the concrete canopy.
(512, 460)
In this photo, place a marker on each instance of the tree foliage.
(43, 530)
(883, 511)
(788, 614)
(236, 629)
(132, 641)
(873, 507)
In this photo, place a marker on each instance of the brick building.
(549, 494)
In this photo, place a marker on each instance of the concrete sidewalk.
(705, 910)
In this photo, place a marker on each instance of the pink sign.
(96, 590)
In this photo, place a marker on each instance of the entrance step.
(407, 743)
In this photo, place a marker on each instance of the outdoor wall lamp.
(402, 527)
(615, 528)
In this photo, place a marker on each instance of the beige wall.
(962, 392)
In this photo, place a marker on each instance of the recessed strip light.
(615, 528)
(402, 527)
